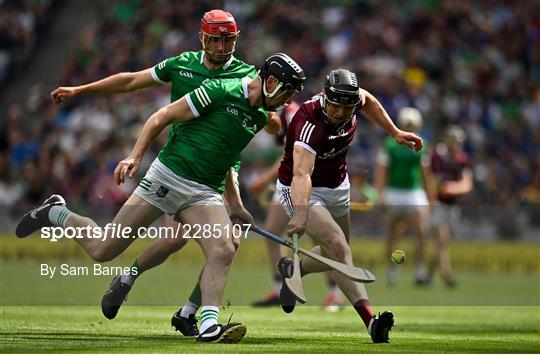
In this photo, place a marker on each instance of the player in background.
(454, 179)
(314, 189)
(186, 180)
(276, 221)
(405, 184)
(186, 72)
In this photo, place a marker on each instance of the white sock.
(189, 309)
(277, 285)
(421, 271)
(370, 324)
(59, 215)
(127, 279)
(209, 317)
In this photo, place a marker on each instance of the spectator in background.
(471, 63)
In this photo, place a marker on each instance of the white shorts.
(171, 193)
(402, 201)
(335, 200)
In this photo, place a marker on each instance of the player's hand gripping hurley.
(352, 272)
(294, 283)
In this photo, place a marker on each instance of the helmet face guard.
(341, 89)
(282, 95)
(218, 35)
(290, 77)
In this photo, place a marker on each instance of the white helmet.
(455, 133)
(410, 116)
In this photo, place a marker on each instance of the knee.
(338, 249)
(442, 242)
(102, 256)
(222, 254)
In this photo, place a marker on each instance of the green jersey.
(207, 146)
(404, 165)
(186, 72)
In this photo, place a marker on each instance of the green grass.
(169, 285)
(63, 315)
(307, 330)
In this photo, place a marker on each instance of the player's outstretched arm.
(269, 176)
(459, 187)
(376, 113)
(303, 164)
(177, 111)
(117, 83)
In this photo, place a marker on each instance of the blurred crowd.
(22, 23)
(473, 63)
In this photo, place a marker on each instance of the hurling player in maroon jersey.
(276, 221)
(313, 185)
(454, 179)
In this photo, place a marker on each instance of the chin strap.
(266, 95)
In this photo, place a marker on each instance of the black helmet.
(341, 88)
(285, 69)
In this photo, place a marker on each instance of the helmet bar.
(341, 88)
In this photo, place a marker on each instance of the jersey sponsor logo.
(185, 73)
(306, 132)
(233, 110)
(162, 191)
(333, 153)
(202, 96)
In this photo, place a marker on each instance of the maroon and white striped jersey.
(330, 145)
(448, 166)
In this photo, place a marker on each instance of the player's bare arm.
(236, 208)
(269, 176)
(304, 163)
(117, 83)
(274, 123)
(177, 111)
(376, 113)
(459, 187)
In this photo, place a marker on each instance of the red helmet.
(219, 23)
(219, 33)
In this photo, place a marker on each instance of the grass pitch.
(489, 312)
(308, 329)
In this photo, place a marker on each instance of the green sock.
(136, 269)
(196, 295)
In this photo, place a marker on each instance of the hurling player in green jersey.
(185, 72)
(186, 179)
(405, 186)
